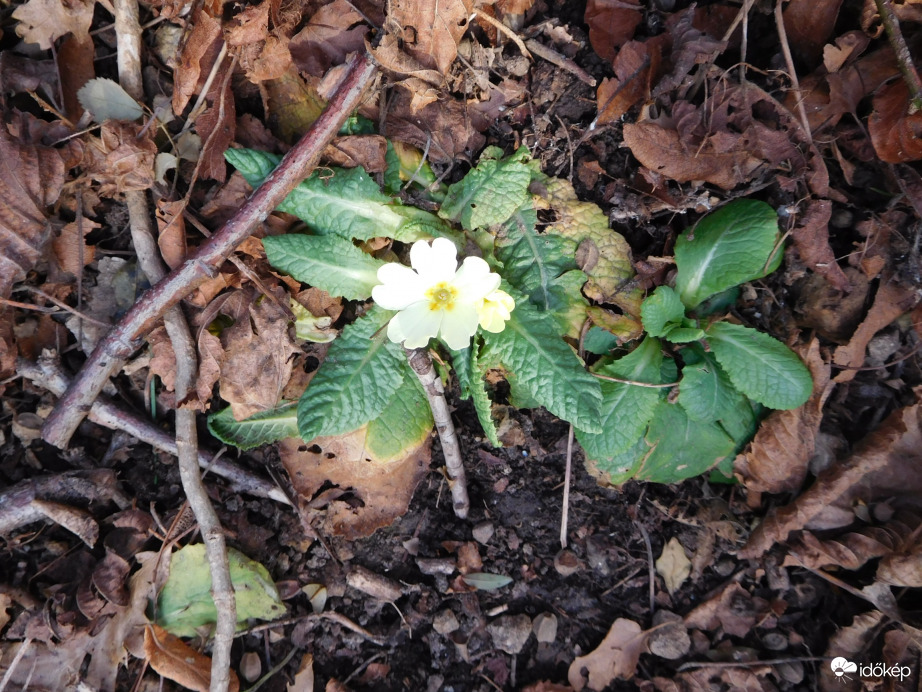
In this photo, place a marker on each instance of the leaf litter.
(693, 135)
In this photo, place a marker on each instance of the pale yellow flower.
(436, 298)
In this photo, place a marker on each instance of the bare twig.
(792, 73)
(47, 373)
(650, 564)
(222, 589)
(565, 514)
(451, 449)
(903, 58)
(120, 342)
(633, 383)
(561, 61)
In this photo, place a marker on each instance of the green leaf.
(260, 429)
(538, 361)
(726, 248)
(660, 310)
(626, 408)
(471, 382)
(681, 448)
(489, 193)
(185, 603)
(599, 341)
(759, 366)
(485, 581)
(404, 424)
(330, 263)
(341, 201)
(684, 335)
(705, 391)
(356, 381)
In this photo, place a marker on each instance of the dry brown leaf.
(367, 151)
(615, 658)
(71, 250)
(31, 177)
(430, 29)
(886, 463)
(635, 67)
(834, 314)
(217, 127)
(750, 679)
(121, 158)
(902, 568)
(257, 362)
(895, 134)
(175, 660)
(611, 24)
(381, 492)
(390, 56)
(847, 48)
(45, 21)
(690, 48)
(673, 565)
(199, 52)
(171, 229)
(78, 521)
(809, 25)
(852, 550)
(447, 128)
(892, 300)
(304, 678)
(508, 7)
(663, 151)
(811, 238)
(333, 31)
(777, 458)
(733, 609)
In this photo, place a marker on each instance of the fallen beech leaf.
(71, 250)
(172, 658)
(367, 151)
(217, 127)
(447, 128)
(121, 159)
(31, 177)
(811, 238)
(293, 105)
(673, 565)
(902, 569)
(332, 32)
(171, 232)
(611, 24)
(776, 460)
(834, 314)
(750, 679)
(733, 609)
(884, 464)
(847, 47)
(852, 550)
(382, 490)
(849, 642)
(200, 50)
(45, 21)
(634, 66)
(809, 24)
(663, 151)
(892, 300)
(615, 658)
(895, 134)
(431, 29)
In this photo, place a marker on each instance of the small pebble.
(545, 627)
(445, 622)
(483, 532)
(250, 666)
(672, 640)
(510, 632)
(775, 641)
(566, 563)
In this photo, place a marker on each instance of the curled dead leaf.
(615, 658)
(611, 24)
(121, 158)
(895, 133)
(177, 661)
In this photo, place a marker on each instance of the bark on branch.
(122, 340)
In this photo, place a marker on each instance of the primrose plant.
(542, 281)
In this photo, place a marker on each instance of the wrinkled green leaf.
(405, 422)
(683, 335)
(539, 362)
(626, 408)
(330, 263)
(260, 429)
(185, 603)
(484, 581)
(489, 193)
(471, 383)
(342, 201)
(661, 310)
(759, 366)
(726, 248)
(356, 381)
(599, 341)
(705, 391)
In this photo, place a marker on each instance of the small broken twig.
(792, 73)
(451, 449)
(121, 341)
(903, 57)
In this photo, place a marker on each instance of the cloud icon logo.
(840, 666)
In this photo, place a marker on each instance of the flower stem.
(451, 449)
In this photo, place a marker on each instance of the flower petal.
(400, 286)
(497, 308)
(474, 280)
(459, 324)
(434, 263)
(415, 325)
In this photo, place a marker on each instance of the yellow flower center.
(441, 296)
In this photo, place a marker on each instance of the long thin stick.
(903, 57)
(48, 374)
(128, 31)
(451, 449)
(568, 472)
(121, 341)
(792, 73)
